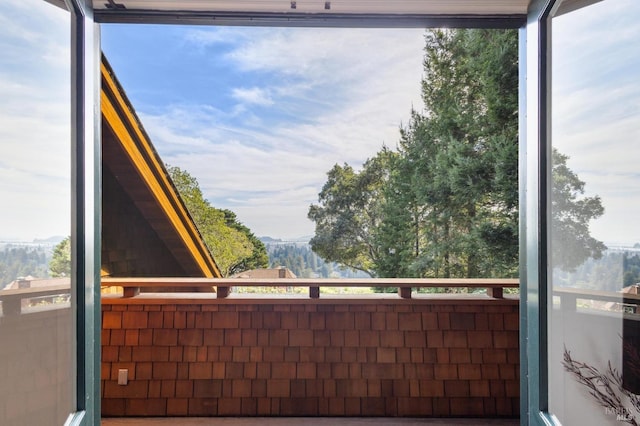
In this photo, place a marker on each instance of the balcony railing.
(13, 301)
(494, 287)
(609, 301)
(304, 355)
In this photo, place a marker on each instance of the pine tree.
(455, 185)
(60, 264)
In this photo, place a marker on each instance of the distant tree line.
(444, 203)
(20, 261)
(304, 263)
(612, 272)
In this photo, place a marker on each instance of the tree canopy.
(445, 202)
(19, 261)
(349, 212)
(258, 257)
(457, 167)
(571, 212)
(232, 244)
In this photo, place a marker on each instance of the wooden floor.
(305, 421)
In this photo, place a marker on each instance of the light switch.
(123, 376)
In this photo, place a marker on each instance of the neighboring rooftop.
(271, 273)
(32, 282)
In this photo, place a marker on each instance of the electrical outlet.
(123, 376)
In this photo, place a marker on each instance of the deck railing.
(310, 354)
(494, 287)
(569, 298)
(13, 300)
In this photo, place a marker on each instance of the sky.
(260, 115)
(596, 110)
(34, 120)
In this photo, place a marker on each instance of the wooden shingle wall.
(312, 359)
(130, 247)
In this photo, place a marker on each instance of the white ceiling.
(382, 7)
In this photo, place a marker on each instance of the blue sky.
(596, 109)
(259, 115)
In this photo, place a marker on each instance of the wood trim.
(125, 125)
(311, 282)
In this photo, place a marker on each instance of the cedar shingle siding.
(451, 358)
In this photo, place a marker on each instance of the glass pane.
(594, 253)
(37, 374)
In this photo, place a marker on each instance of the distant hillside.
(300, 240)
(269, 240)
(51, 240)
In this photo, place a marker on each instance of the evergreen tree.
(399, 234)
(60, 264)
(456, 188)
(304, 263)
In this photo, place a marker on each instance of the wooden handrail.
(494, 287)
(12, 299)
(569, 296)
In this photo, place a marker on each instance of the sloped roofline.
(121, 117)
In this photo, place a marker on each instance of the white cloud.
(342, 93)
(254, 95)
(35, 120)
(280, 160)
(596, 109)
(204, 38)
